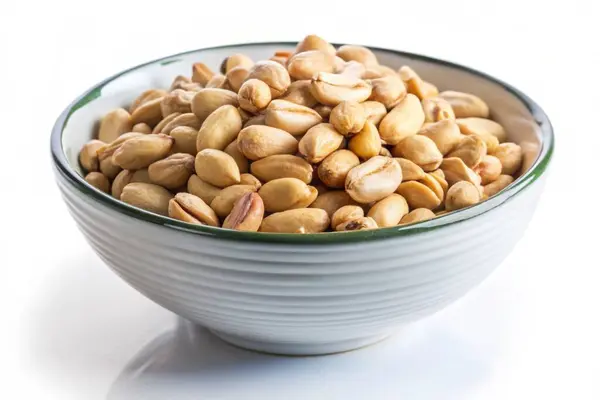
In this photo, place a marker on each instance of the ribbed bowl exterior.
(302, 298)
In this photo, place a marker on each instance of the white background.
(72, 330)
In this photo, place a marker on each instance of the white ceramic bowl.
(302, 294)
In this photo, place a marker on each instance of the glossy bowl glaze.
(302, 294)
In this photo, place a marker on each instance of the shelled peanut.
(307, 141)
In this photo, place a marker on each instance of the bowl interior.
(524, 121)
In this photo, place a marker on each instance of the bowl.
(302, 294)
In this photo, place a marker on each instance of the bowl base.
(300, 349)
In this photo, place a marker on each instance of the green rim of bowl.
(77, 181)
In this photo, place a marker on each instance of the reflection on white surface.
(86, 324)
(193, 363)
(98, 338)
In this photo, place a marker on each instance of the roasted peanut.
(357, 53)
(440, 177)
(301, 220)
(273, 74)
(320, 141)
(374, 179)
(208, 100)
(445, 134)
(379, 71)
(188, 119)
(387, 90)
(88, 156)
(332, 201)
(163, 122)
(204, 190)
(314, 42)
(389, 211)
(455, 170)
(120, 181)
(510, 156)
(428, 89)
(247, 213)
(359, 224)
(108, 149)
(147, 196)
(352, 68)
(419, 195)
(218, 81)
(366, 143)
(240, 159)
(471, 150)
(176, 101)
(224, 201)
(304, 65)
(259, 141)
(291, 117)
(149, 112)
(146, 96)
(417, 215)
(437, 109)
(460, 195)
(348, 117)
(189, 208)
(481, 127)
(185, 140)
(346, 213)
(421, 150)
(410, 170)
(141, 175)
(299, 93)
(286, 193)
(282, 166)
(251, 180)
(466, 105)
(415, 85)
(335, 167)
(108, 168)
(374, 111)
(236, 77)
(432, 183)
(217, 168)
(489, 169)
(185, 83)
(254, 95)
(234, 61)
(219, 129)
(402, 121)
(140, 152)
(172, 172)
(323, 111)
(331, 89)
(281, 57)
(114, 124)
(499, 184)
(99, 181)
(201, 73)
(142, 127)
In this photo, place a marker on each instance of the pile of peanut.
(308, 141)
